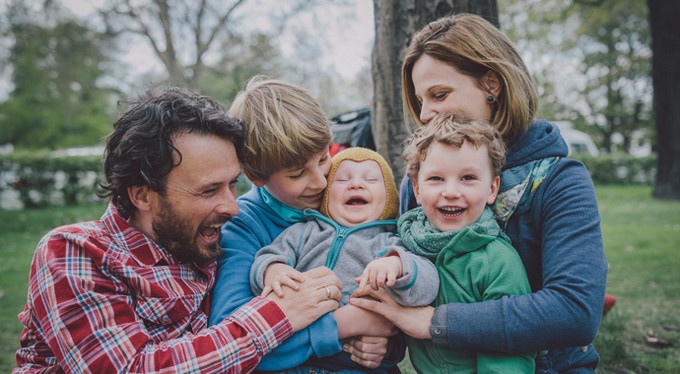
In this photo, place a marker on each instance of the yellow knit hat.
(359, 154)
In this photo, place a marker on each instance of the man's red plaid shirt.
(102, 297)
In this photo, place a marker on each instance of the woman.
(464, 65)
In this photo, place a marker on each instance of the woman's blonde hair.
(285, 126)
(450, 129)
(474, 47)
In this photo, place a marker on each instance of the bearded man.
(130, 292)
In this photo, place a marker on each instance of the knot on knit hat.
(359, 154)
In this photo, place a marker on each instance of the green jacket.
(474, 267)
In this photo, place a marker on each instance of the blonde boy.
(455, 164)
(287, 160)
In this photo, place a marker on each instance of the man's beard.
(173, 232)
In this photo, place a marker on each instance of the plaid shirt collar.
(141, 248)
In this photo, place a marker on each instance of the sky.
(351, 46)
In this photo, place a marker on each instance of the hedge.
(38, 180)
(618, 168)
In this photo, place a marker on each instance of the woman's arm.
(565, 308)
(353, 321)
(413, 321)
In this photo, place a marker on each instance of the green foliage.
(538, 29)
(620, 168)
(617, 65)
(56, 100)
(66, 75)
(592, 64)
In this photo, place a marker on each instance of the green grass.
(20, 232)
(642, 241)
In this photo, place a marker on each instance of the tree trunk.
(396, 21)
(665, 28)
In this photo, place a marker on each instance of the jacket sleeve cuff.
(324, 336)
(438, 326)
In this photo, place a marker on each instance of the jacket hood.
(541, 140)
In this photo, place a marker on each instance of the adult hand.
(367, 351)
(353, 321)
(413, 321)
(317, 295)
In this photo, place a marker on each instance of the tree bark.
(396, 21)
(665, 28)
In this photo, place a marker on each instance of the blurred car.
(578, 141)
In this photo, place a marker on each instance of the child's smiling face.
(455, 184)
(300, 188)
(357, 193)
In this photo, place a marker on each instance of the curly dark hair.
(139, 150)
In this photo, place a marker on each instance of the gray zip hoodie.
(347, 250)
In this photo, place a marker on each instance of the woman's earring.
(490, 99)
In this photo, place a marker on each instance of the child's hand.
(380, 272)
(278, 275)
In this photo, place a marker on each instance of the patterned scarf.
(418, 234)
(518, 185)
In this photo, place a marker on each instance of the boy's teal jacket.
(256, 226)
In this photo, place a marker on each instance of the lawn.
(642, 240)
(641, 334)
(20, 231)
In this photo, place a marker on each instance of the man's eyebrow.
(209, 185)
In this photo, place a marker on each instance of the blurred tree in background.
(67, 71)
(615, 43)
(591, 60)
(190, 38)
(215, 46)
(58, 99)
(664, 16)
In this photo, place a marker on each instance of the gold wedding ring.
(328, 293)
